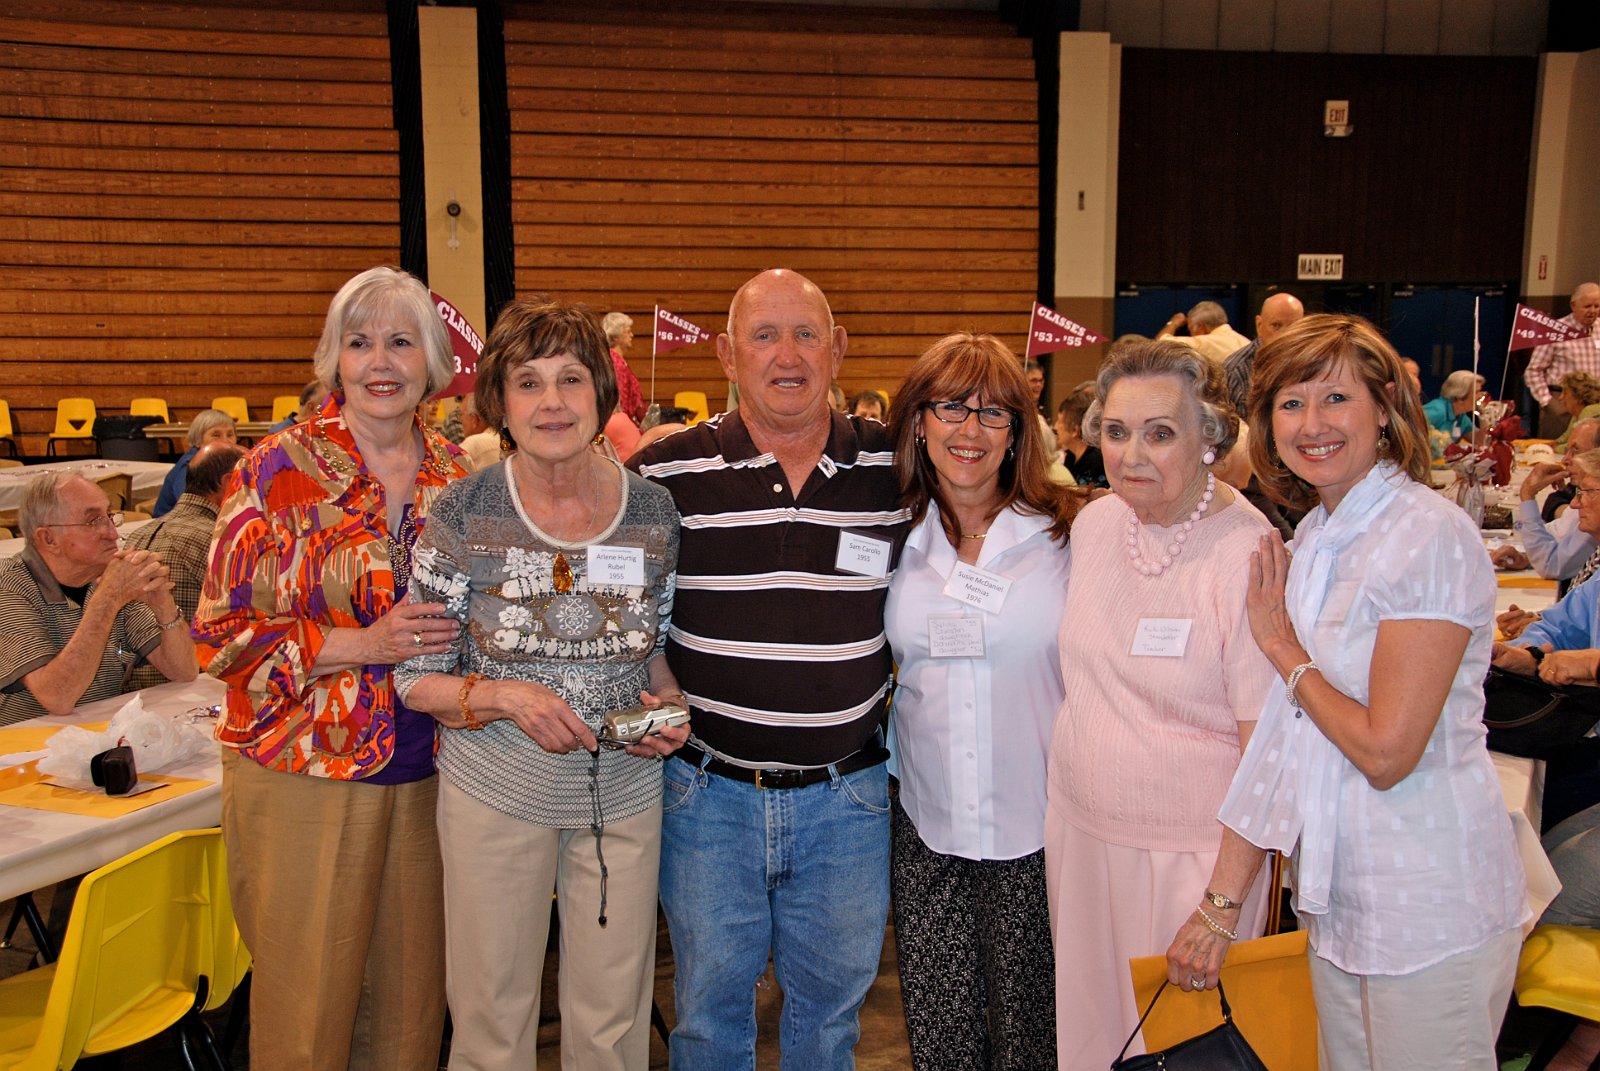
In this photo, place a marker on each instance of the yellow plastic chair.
(74, 420)
(139, 957)
(694, 401)
(8, 431)
(285, 405)
(156, 407)
(1560, 969)
(1269, 988)
(233, 405)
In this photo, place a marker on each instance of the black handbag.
(1529, 717)
(1221, 1049)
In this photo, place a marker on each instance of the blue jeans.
(802, 871)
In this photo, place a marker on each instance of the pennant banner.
(1533, 328)
(465, 344)
(674, 332)
(1051, 331)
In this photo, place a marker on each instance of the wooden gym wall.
(667, 155)
(182, 188)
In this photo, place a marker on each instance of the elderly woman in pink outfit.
(1163, 684)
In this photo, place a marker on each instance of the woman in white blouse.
(972, 617)
(1371, 763)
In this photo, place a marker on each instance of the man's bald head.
(777, 279)
(1585, 436)
(1277, 312)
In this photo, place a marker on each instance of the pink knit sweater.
(1144, 747)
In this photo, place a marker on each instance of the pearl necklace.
(1174, 548)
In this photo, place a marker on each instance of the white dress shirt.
(971, 736)
(1557, 550)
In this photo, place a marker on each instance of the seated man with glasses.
(78, 611)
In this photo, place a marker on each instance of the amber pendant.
(561, 575)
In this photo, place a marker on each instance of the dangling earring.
(919, 440)
(1383, 442)
(599, 439)
(1011, 452)
(1209, 457)
(507, 443)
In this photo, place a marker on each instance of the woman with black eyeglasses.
(972, 617)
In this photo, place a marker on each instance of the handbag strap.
(1227, 1015)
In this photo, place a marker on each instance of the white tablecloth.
(147, 476)
(1522, 784)
(39, 848)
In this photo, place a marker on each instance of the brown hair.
(533, 328)
(953, 368)
(1311, 348)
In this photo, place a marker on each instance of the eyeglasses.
(957, 412)
(113, 521)
(1584, 492)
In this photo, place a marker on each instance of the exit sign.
(1320, 266)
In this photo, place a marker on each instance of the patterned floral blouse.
(302, 548)
(485, 559)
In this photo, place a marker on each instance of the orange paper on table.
(1538, 582)
(35, 737)
(24, 789)
(1269, 989)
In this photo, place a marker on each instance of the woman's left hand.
(659, 745)
(1194, 960)
(1264, 600)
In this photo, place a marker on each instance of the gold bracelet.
(473, 724)
(1216, 927)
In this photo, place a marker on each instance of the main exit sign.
(1327, 266)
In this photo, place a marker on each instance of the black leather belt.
(871, 755)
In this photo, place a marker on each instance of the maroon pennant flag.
(1051, 331)
(1533, 328)
(674, 332)
(465, 344)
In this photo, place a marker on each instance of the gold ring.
(416, 638)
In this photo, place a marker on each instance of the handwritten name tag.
(622, 566)
(863, 555)
(978, 587)
(1161, 637)
(955, 637)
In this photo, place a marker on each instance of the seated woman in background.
(1451, 412)
(208, 426)
(1083, 461)
(1579, 395)
(972, 725)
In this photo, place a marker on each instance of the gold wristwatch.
(1222, 903)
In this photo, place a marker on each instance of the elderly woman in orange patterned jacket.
(328, 784)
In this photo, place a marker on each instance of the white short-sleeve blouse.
(1428, 868)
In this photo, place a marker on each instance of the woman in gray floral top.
(560, 566)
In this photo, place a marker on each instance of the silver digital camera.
(634, 724)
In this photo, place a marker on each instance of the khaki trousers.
(338, 890)
(499, 874)
(1444, 1016)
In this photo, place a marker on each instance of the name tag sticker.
(622, 566)
(863, 555)
(978, 587)
(1161, 637)
(955, 637)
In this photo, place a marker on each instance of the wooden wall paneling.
(894, 161)
(1225, 173)
(184, 187)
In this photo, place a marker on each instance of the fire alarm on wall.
(1336, 119)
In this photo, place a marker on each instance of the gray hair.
(41, 502)
(206, 421)
(1587, 462)
(1580, 288)
(371, 294)
(1460, 384)
(615, 324)
(1207, 314)
(1202, 379)
(1587, 423)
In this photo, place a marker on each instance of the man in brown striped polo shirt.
(775, 830)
